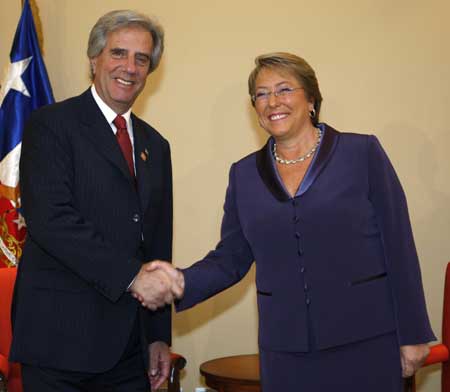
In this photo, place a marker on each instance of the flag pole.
(37, 22)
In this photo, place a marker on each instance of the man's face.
(121, 69)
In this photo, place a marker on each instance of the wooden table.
(239, 373)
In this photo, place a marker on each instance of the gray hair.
(116, 20)
(295, 66)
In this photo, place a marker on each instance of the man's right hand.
(171, 282)
(152, 287)
(176, 276)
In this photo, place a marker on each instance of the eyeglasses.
(263, 96)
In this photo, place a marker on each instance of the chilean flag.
(25, 88)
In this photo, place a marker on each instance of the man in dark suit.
(96, 188)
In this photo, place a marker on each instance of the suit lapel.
(270, 178)
(142, 158)
(95, 127)
(329, 143)
(267, 173)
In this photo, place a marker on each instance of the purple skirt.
(371, 366)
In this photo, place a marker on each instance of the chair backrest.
(7, 279)
(446, 331)
(439, 353)
(178, 362)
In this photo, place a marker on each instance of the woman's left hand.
(412, 358)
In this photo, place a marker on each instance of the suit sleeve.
(158, 324)
(402, 264)
(54, 223)
(224, 266)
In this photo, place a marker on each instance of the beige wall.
(383, 67)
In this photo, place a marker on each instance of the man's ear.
(93, 64)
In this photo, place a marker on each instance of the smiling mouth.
(124, 82)
(275, 117)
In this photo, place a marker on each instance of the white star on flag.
(14, 79)
(20, 221)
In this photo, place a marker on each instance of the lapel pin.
(144, 155)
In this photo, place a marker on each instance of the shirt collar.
(109, 114)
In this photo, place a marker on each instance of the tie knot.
(120, 122)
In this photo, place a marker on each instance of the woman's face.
(286, 115)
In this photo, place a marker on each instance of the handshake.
(157, 284)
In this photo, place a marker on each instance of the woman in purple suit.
(323, 215)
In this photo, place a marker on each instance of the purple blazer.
(342, 251)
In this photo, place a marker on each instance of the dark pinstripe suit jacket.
(89, 230)
(339, 258)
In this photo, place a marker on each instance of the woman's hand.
(412, 358)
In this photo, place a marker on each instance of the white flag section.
(9, 168)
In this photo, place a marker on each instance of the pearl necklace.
(303, 157)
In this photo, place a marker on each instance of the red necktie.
(124, 142)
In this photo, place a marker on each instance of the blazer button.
(308, 301)
(136, 218)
